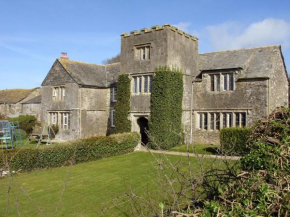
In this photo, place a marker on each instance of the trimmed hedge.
(233, 140)
(79, 151)
(122, 108)
(166, 108)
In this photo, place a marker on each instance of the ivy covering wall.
(166, 108)
(122, 108)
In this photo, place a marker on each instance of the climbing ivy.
(122, 107)
(166, 108)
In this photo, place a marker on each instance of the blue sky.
(33, 33)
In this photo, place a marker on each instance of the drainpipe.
(191, 105)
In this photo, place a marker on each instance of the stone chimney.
(64, 56)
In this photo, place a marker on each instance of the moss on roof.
(11, 96)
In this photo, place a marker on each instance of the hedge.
(77, 152)
(122, 108)
(166, 108)
(233, 140)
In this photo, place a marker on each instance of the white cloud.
(182, 25)
(233, 35)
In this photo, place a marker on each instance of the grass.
(197, 149)
(30, 144)
(90, 187)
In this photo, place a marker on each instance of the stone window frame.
(221, 119)
(58, 93)
(59, 118)
(142, 52)
(112, 118)
(141, 84)
(114, 94)
(222, 81)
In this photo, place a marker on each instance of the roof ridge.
(102, 65)
(252, 48)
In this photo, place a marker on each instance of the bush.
(26, 122)
(23, 134)
(79, 151)
(122, 107)
(166, 109)
(233, 140)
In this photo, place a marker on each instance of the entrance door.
(144, 129)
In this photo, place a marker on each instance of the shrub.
(26, 122)
(233, 140)
(122, 108)
(23, 134)
(55, 129)
(166, 108)
(77, 152)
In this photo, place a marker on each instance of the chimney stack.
(64, 56)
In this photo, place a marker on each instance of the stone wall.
(250, 96)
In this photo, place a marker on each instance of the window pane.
(217, 123)
(212, 121)
(237, 119)
(243, 114)
(230, 119)
(212, 82)
(225, 82)
(218, 80)
(231, 82)
(135, 84)
(143, 53)
(146, 84)
(200, 120)
(140, 84)
(205, 121)
(224, 120)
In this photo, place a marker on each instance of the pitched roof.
(256, 62)
(35, 100)
(91, 74)
(14, 95)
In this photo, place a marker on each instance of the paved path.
(189, 154)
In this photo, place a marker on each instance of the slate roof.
(12, 96)
(255, 62)
(91, 74)
(35, 100)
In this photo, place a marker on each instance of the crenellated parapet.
(158, 28)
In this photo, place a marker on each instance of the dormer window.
(222, 82)
(142, 52)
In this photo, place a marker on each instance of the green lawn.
(90, 187)
(197, 149)
(30, 144)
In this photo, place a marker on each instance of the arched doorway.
(143, 125)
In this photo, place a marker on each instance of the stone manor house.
(231, 88)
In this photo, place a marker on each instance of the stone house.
(14, 102)
(79, 98)
(221, 89)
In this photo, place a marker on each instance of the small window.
(112, 118)
(114, 94)
(135, 84)
(142, 52)
(58, 93)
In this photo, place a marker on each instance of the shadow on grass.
(212, 150)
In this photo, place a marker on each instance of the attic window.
(142, 52)
(222, 82)
(58, 93)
